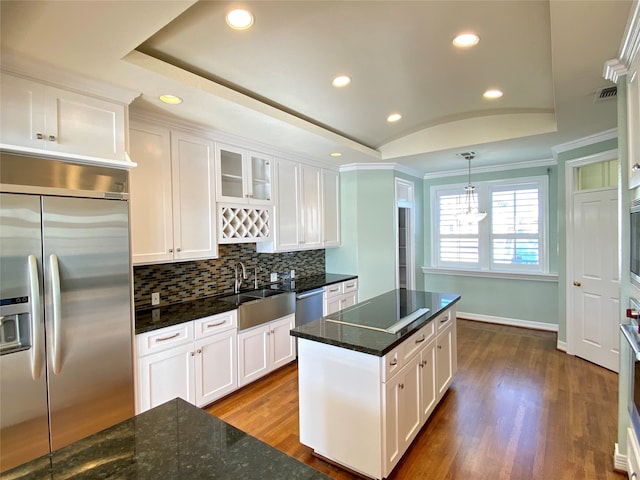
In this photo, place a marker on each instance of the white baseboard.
(513, 322)
(562, 346)
(619, 460)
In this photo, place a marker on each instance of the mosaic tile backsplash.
(183, 281)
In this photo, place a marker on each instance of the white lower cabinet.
(194, 360)
(339, 296)
(363, 411)
(264, 348)
(633, 455)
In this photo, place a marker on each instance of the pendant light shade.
(470, 213)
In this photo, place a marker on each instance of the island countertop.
(375, 326)
(173, 441)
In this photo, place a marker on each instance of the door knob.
(577, 284)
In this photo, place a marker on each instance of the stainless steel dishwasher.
(308, 306)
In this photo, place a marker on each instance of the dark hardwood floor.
(517, 409)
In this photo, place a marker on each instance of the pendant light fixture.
(471, 213)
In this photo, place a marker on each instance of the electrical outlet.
(293, 274)
(155, 298)
(274, 277)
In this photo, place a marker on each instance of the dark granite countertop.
(174, 441)
(363, 326)
(160, 317)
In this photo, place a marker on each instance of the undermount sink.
(261, 306)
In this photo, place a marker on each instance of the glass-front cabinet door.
(231, 173)
(260, 178)
(243, 176)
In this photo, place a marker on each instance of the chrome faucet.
(255, 276)
(238, 283)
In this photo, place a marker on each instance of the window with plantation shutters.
(515, 225)
(512, 238)
(458, 242)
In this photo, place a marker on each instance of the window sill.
(538, 277)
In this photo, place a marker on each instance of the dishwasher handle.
(311, 293)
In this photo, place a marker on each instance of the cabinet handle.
(334, 290)
(634, 475)
(421, 339)
(211, 325)
(635, 168)
(39, 136)
(401, 386)
(439, 347)
(393, 362)
(52, 138)
(164, 339)
(444, 319)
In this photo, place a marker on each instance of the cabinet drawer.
(165, 338)
(444, 320)
(633, 455)
(331, 291)
(215, 324)
(392, 362)
(418, 340)
(350, 286)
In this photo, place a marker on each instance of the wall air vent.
(605, 93)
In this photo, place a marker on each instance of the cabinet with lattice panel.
(239, 224)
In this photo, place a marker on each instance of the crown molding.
(629, 47)
(47, 74)
(351, 167)
(493, 168)
(585, 141)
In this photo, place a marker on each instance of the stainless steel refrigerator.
(66, 367)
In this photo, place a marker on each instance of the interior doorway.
(405, 244)
(593, 296)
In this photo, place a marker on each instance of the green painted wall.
(368, 231)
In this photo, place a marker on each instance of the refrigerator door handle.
(37, 337)
(57, 312)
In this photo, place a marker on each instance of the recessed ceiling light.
(239, 19)
(394, 117)
(335, 154)
(170, 99)
(341, 81)
(492, 93)
(466, 40)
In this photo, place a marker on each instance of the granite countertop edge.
(148, 319)
(389, 340)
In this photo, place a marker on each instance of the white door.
(215, 367)
(311, 202)
(253, 354)
(283, 345)
(596, 280)
(287, 210)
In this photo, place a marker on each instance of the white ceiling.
(271, 83)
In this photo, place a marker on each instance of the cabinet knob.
(52, 138)
(439, 347)
(178, 249)
(401, 386)
(577, 284)
(39, 136)
(199, 350)
(635, 168)
(171, 250)
(193, 353)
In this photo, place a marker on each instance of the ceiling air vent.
(605, 93)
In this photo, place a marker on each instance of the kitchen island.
(173, 441)
(370, 376)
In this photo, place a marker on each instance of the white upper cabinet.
(307, 208)
(331, 208)
(633, 123)
(172, 196)
(243, 176)
(42, 119)
(287, 211)
(311, 203)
